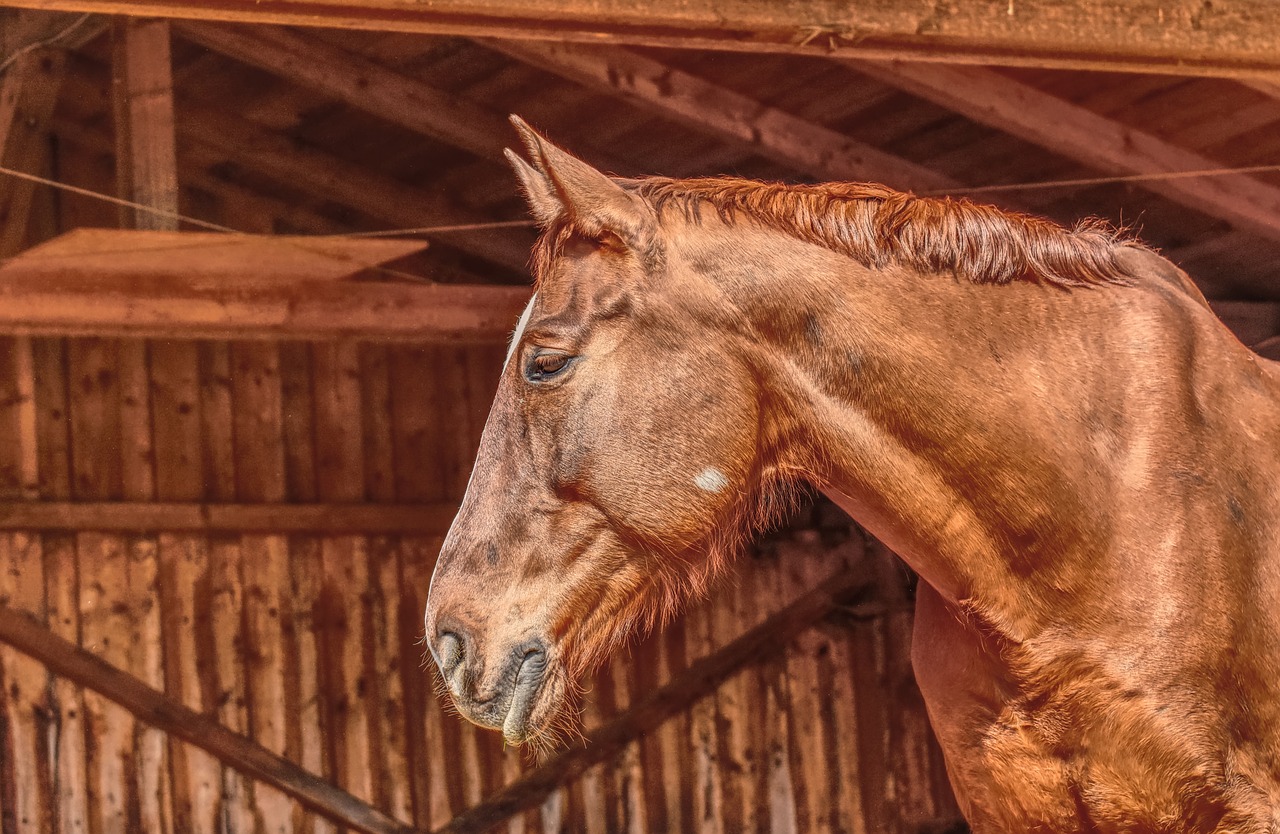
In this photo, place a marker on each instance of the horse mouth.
(519, 724)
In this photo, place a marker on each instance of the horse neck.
(931, 409)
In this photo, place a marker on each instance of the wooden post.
(28, 93)
(146, 160)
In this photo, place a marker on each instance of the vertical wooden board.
(226, 602)
(428, 762)
(105, 631)
(68, 768)
(629, 785)
(259, 436)
(137, 472)
(872, 720)
(53, 436)
(732, 713)
(296, 413)
(264, 573)
(338, 421)
(704, 738)
(803, 569)
(137, 483)
(455, 409)
(646, 678)
(340, 615)
(26, 792)
(18, 472)
(591, 785)
(306, 731)
(379, 448)
(677, 752)
(146, 662)
(185, 594)
(415, 424)
(95, 418)
(175, 418)
(777, 707)
(389, 660)
(218, 448)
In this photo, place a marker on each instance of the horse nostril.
(449, 652)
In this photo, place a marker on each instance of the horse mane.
(876, 226)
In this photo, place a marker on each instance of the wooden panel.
(305, 634)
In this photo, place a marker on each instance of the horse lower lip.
(516, 725)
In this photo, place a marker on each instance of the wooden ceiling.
(300, 130)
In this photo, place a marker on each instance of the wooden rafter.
(367, 85)
(1078, 133)
(329, 177)
(28, 93)
(69, 661)
(728, 114)
(1239, 38)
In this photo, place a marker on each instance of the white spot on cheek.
(711, 480)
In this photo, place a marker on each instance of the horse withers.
(1079, 460)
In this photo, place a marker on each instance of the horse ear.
(541, 196)
(595, 203)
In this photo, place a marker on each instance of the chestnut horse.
(1049, 425)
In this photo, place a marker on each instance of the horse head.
(623, 454)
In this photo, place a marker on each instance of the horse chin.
(532, 715)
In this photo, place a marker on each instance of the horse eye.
(546, 365)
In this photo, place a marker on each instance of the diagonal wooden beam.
(688, 99)
(1183, 37)
(360, 83)
(28, 93)
(1078, 133)
(67, 660)
(840, 592)
(327, 176)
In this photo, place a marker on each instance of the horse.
(1048, 424)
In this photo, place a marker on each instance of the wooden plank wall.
(310, 645)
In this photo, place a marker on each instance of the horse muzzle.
(501, 691)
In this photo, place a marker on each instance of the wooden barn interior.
(238, 409)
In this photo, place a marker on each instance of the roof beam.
(1183, 37)
(1075, 132)
(719, 111)
(28, 93)
(332, 178)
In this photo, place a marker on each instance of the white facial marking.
(520, 325)
(711, 480)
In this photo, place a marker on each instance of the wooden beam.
(160, 517)
(361, 83)
(28, 93)
(1078, 133)
(146, 158)
(330, 177)
(1182, 37)
(112, 298)
(67, 660)
(770, 638)
(728, 114)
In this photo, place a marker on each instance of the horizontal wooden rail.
(69, 661)
(139, 516)
(761, 643)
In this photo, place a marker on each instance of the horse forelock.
(876, 226)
